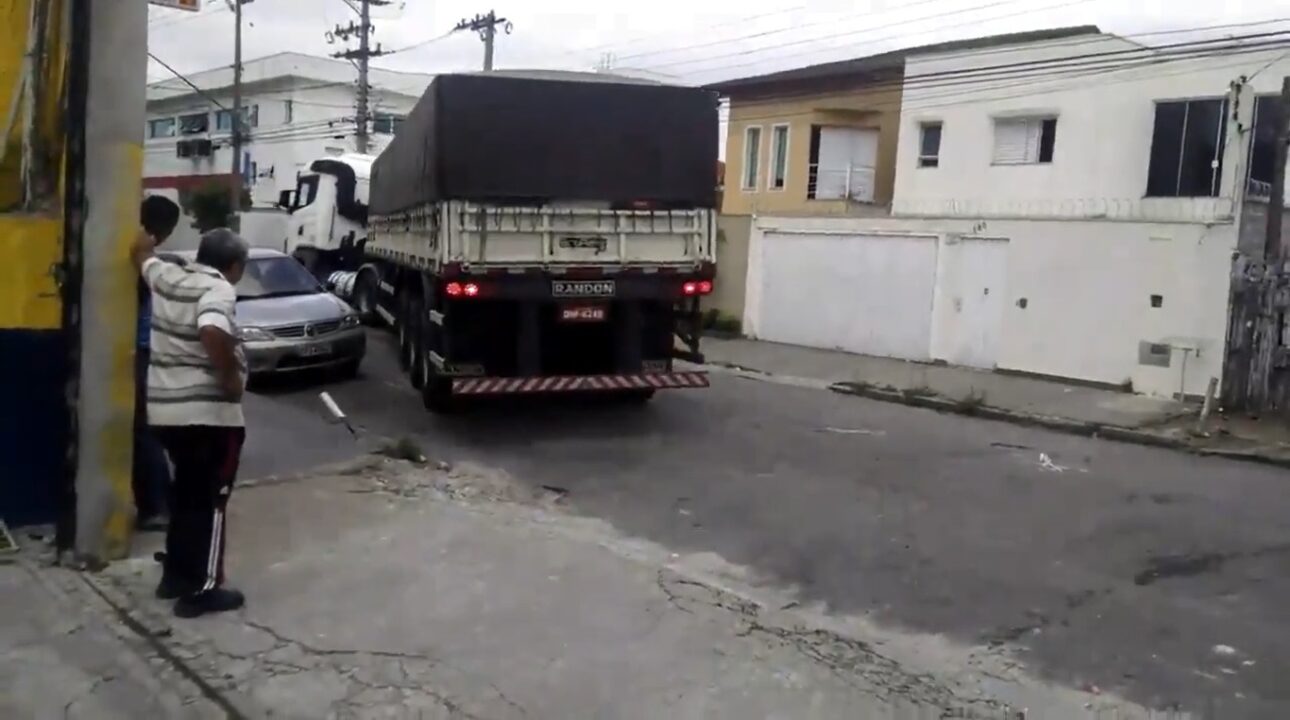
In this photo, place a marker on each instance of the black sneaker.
(152, 523)
(211, 601)
(171, 589)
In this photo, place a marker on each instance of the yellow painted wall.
(878, 109)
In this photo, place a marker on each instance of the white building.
(298, 108)
(1066, 208)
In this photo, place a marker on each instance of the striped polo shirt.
(183, 388)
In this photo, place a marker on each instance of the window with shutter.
(1024, 141)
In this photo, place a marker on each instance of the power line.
(423, 43)
(740, 21)
(764, 33)
(852, 33)
(186, 81)
(181, 17)
(977, 86)
(1069, 61)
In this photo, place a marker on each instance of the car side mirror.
(286, 200)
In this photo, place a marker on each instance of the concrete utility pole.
(235, 186)
(486, 26)
(117, 66)
(362, 55)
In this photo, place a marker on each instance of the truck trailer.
(527, 233)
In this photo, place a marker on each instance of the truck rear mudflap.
(578, 383)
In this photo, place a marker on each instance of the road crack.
(853, 661)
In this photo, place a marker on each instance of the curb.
(1064, 425)
(153, 632)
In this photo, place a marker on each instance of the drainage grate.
(7, 544)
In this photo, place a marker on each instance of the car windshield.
(275, 277)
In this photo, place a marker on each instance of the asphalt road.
(1137, 570)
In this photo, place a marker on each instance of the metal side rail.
(578, 383)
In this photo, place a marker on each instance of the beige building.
(818, 141)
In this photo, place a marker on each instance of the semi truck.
(527, 233)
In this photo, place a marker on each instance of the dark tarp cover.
(507, 138)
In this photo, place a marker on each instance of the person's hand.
(233, 387)
(144, 246)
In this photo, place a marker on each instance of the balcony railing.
(854, 183)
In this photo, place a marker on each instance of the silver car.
(289, 322)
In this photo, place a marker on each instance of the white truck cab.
(328, 210)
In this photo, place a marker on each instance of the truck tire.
(366, 296)
(402, 320)
(416, 338)
(436, 390)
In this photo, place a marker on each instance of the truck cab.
(327, 228)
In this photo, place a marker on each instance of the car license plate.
(315, 350)
(582, 313)
(582, 288)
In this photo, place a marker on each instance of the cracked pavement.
(755, 550)
(383, 589)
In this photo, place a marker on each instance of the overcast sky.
(692, 41)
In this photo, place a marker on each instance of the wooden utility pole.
(361, 56)
(486, 26)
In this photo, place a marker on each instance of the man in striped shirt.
(195, 381)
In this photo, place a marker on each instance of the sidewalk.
(1073, 408)
(385, 589)
(64, 654)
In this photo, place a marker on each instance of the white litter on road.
(854, 431)
(1046, 463)
(1224, 650)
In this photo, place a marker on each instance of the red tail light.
(696, 287)
(458, 289)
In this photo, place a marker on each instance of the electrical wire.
(864, 31)
(973, 74)
(974, 95)
(763, 34)
(186, 81)
(643, 38)
(182, 17)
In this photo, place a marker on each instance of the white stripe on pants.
(212, 560)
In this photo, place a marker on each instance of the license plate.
(582, 288)
(582, 313)
(315, 350)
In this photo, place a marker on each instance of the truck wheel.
(403, 320)
(436, 390)
(416, 339)
(365, 297)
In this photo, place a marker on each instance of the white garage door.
(868, 294)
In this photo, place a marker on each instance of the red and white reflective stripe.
(569, 383)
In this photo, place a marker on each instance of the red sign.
(190, 5)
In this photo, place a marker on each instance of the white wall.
(1103, 138)
(1087, 287)
(279, 149)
